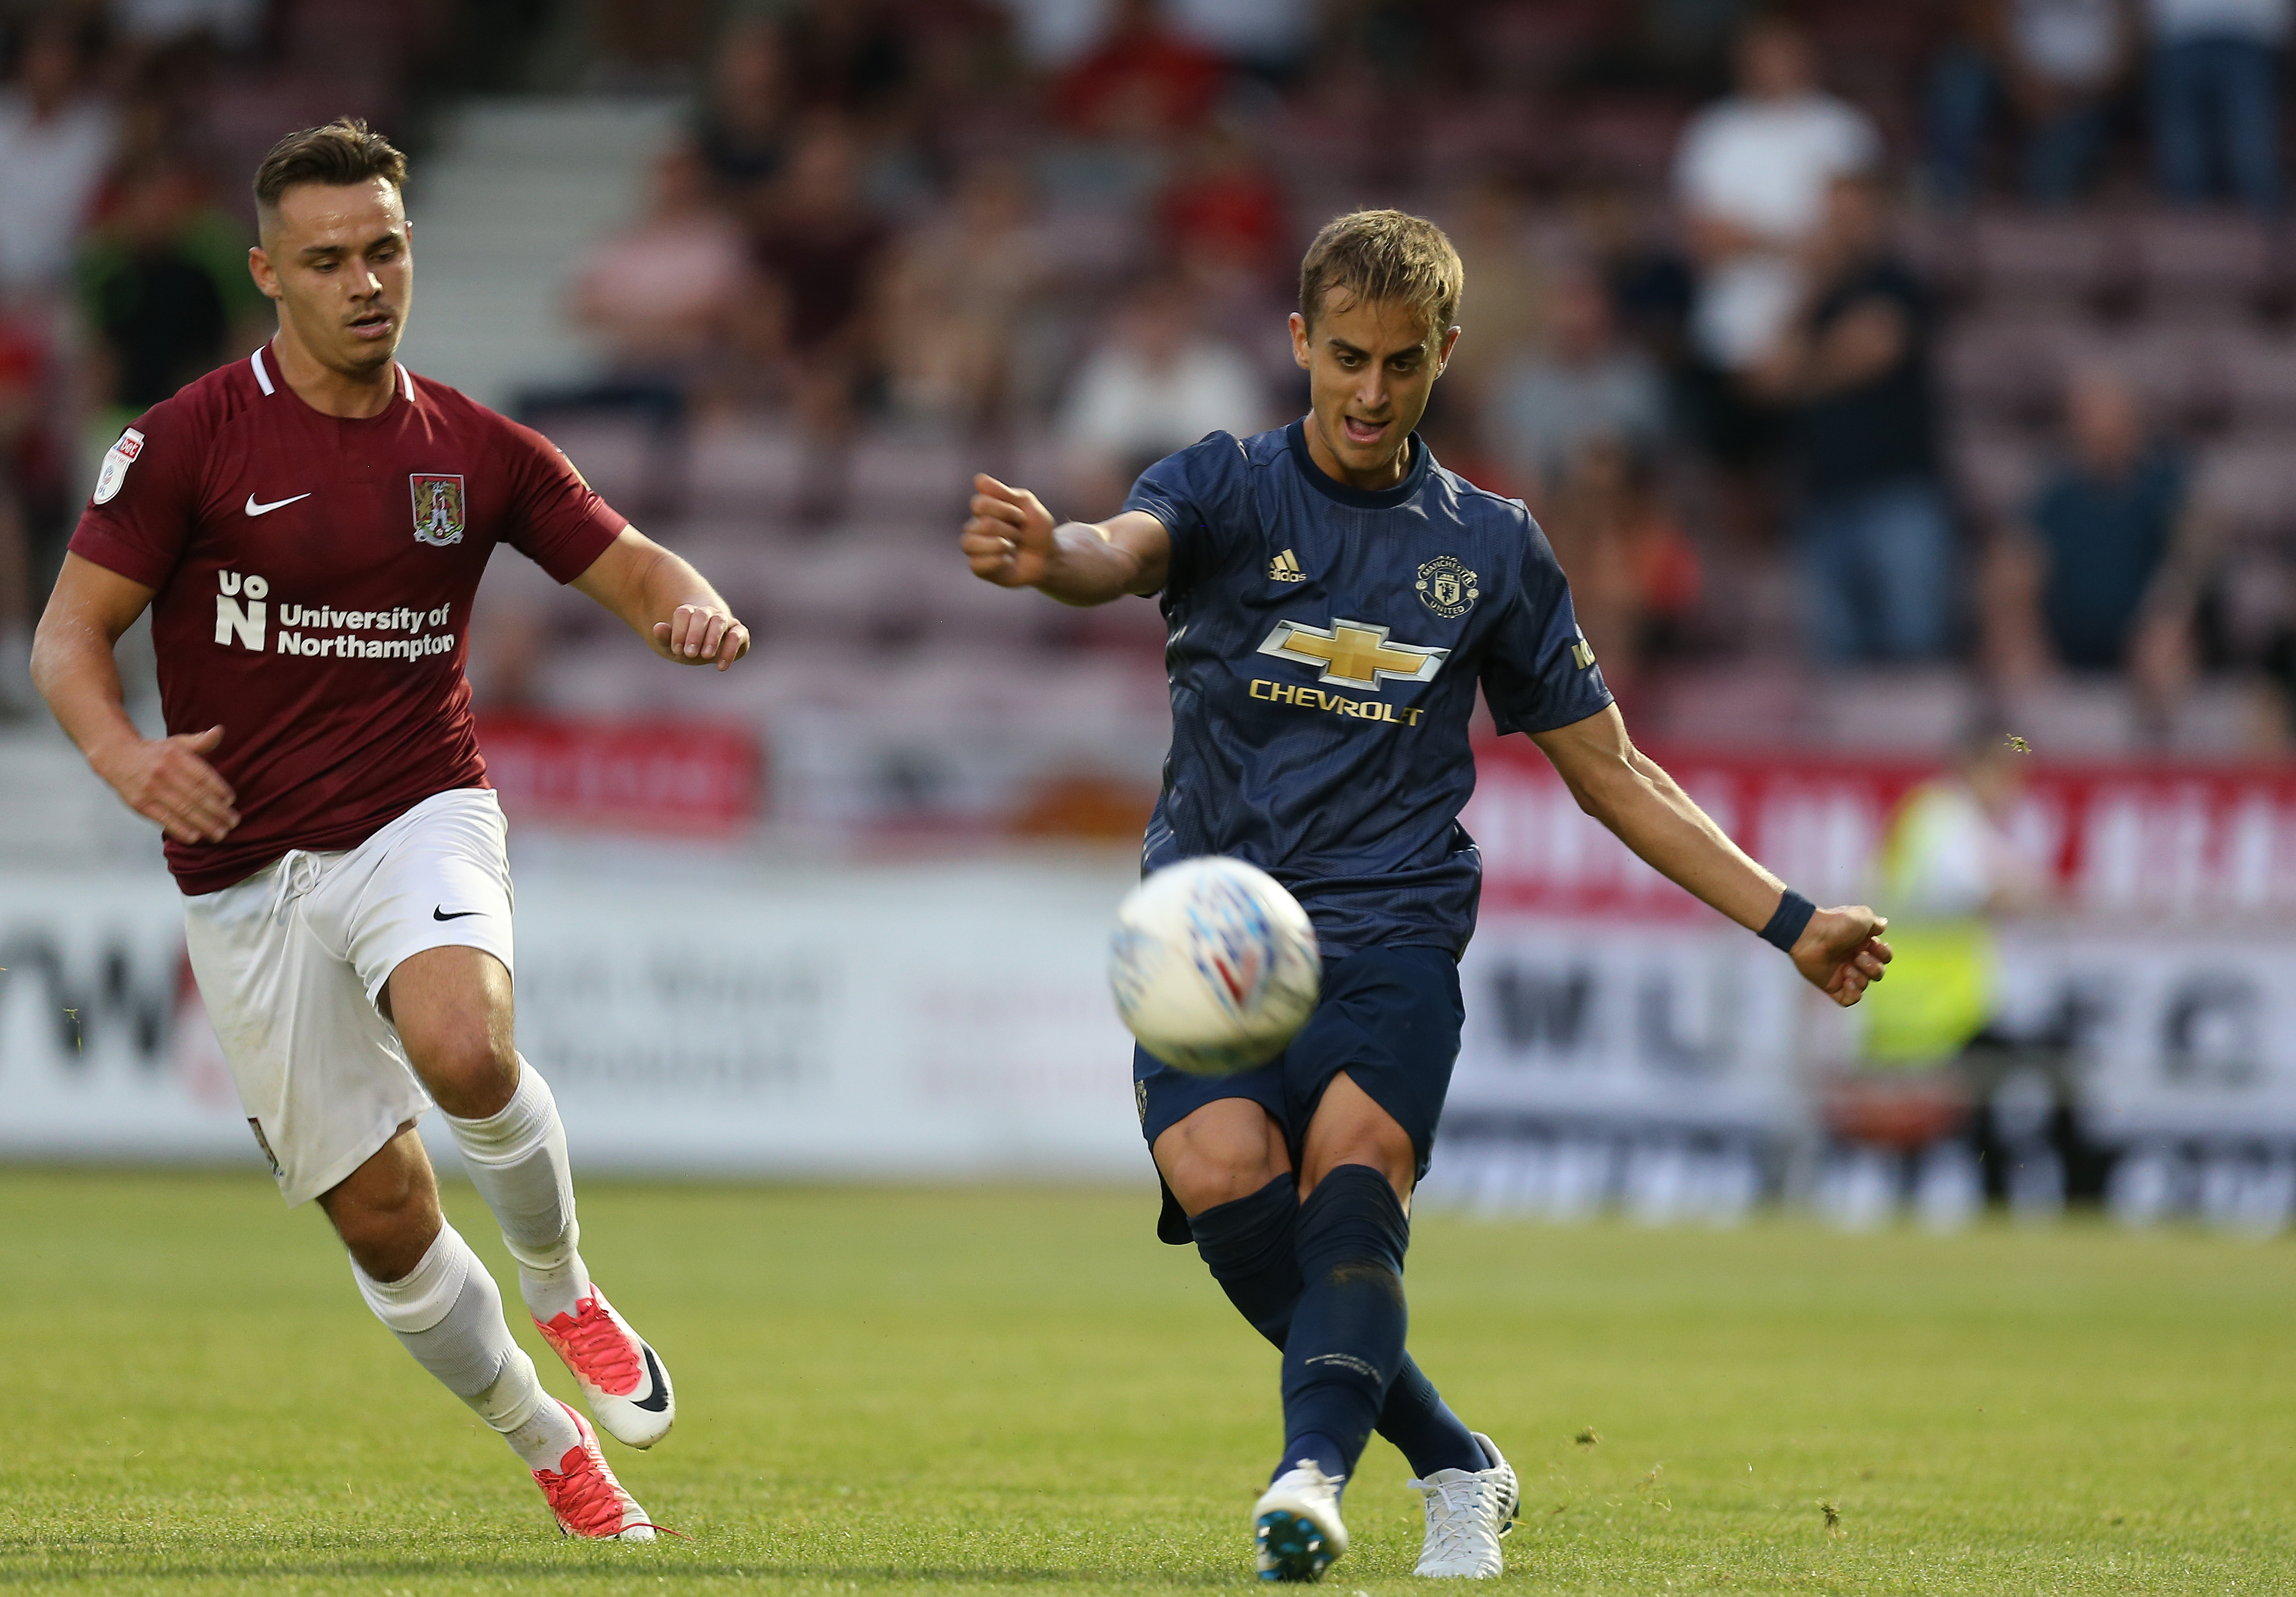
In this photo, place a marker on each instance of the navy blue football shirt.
(1325, 644)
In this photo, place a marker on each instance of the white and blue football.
(1214, 965)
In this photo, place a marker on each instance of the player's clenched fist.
(1841, 950)
(1009, 539)
(702, 635)
(168, 781)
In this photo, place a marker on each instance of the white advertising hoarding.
(94, 1062)
(1611, 1019)
(954, 1021)
(2173, 1032)
(937, 1020)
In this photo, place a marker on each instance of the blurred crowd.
(1933, 334)
(127, 131)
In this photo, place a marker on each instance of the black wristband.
(1785, 927)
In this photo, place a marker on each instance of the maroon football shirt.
(314, 578)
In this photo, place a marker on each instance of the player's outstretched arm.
(1010, 541)
(1838, 951)
(164, 780)
(666, 602)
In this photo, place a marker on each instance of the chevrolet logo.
(1353, 652)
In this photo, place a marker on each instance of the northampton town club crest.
(1448, 587)
(438, 510)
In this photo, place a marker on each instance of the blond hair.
(1384, 255)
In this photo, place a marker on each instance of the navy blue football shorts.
(1389, 1016)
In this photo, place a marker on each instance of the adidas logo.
(1285, 568)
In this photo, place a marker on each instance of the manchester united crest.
(438, 510)
(1448, 587)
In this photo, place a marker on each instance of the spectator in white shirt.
(1161, 383)
(2216, 98)
(55, 143)
(1752, 177)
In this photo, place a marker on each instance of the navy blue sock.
(1423, 1428)
(1346, 1344)
(1251, 1246)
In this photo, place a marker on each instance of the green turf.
(977, 1391)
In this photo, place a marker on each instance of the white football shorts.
(291, 961)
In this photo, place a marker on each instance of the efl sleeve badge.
(116, 462)
(438, 509)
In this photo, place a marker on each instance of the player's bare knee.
(1204, 1183)
(472, 1078)
(468, 1066)
(1396, 1166)
(388, 1246)
(1209, 1164)
(386, 1213)
(1220, 1153)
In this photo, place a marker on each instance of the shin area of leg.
(517, 1159)
(1345, 1341)
(448, 1312)
(1250, 1245)
(1423, 1428)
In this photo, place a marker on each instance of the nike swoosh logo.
(253, 509)
(440, 913)
(659, 1399)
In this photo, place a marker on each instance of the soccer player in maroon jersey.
(307, 527)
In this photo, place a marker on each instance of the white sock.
(547, 1437)
(448, 1315)
(517, 1159)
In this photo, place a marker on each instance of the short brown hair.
(343, 153)
(1376, 255)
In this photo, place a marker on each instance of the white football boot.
(1468, 1510)
(622, 1379)
(1296, 1524)
(584, 1497)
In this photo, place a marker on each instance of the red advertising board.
(679, 778)
(2128, 841)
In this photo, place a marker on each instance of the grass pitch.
(1013, 1390)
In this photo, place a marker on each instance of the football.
(1214, 965)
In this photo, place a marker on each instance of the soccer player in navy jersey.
(307, 527)
(1334, 599)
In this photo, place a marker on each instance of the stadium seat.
(1916, 711)
(2249, 481)
(2006, 368)
(2065, 260)
(2198, 266)
(1995, 471)
(2259, 375)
